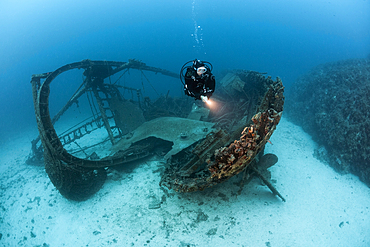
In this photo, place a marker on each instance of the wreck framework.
(252, 105)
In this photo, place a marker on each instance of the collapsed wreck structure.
(202, 147)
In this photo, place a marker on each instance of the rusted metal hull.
(221, 159)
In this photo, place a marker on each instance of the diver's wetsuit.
(196, 86)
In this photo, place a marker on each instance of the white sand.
(323, 208)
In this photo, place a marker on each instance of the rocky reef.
(332, 103)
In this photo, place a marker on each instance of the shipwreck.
(201, 146)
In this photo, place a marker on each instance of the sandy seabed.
(322, 208)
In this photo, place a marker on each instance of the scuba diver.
(199, 81)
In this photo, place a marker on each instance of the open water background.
(283, 38)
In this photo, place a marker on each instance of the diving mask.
(201, 70)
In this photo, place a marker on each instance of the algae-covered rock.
(332, 103)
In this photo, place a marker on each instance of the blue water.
(283, 38)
